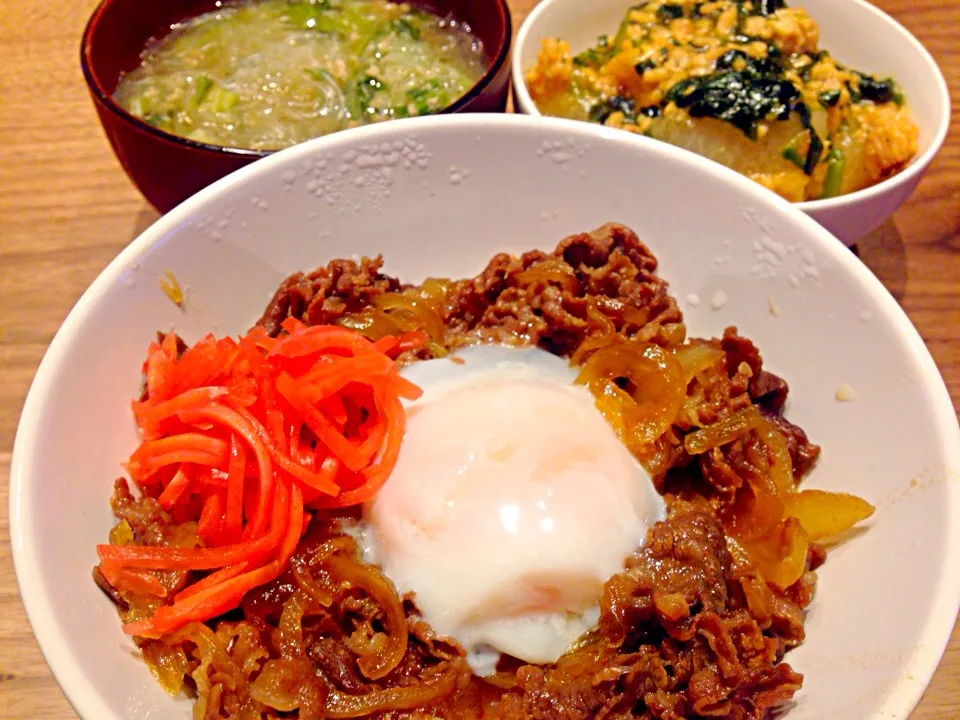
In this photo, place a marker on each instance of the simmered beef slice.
(674, 641)
(327, 294)
(607, 278)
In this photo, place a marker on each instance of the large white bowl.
(438, 196)
(856, 34)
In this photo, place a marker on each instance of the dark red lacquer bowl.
(168, 169)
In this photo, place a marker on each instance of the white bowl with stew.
(855, 32)
(463, 189)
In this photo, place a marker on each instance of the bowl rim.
(104, 97)
(86, 699)
(910, 173)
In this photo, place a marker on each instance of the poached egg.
(511, 504)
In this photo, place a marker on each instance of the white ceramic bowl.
(854, 31)
(438, 196)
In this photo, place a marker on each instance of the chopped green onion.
(202, 87)
(158, 119)
(321, 74)
(311, 16)
(202, 135)
(418, 93)
(420, 97)
(404, 27)
(836, 164)
(221, 100)
(360, 94)
(137, 107)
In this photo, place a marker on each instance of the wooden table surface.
(66, 209)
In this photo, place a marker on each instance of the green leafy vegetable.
(603, 110)
(669, 11)
(644, 65)
(740, 97)
(876, 91)
(829, 98)
(792, 151)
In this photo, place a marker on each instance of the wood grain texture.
(66, 209)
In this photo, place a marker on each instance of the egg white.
(501, 516)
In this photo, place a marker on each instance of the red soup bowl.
(167, 168)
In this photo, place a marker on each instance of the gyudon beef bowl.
(375, 429)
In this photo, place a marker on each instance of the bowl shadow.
(146, 216)
(884, 253)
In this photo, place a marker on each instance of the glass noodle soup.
(269, 74)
